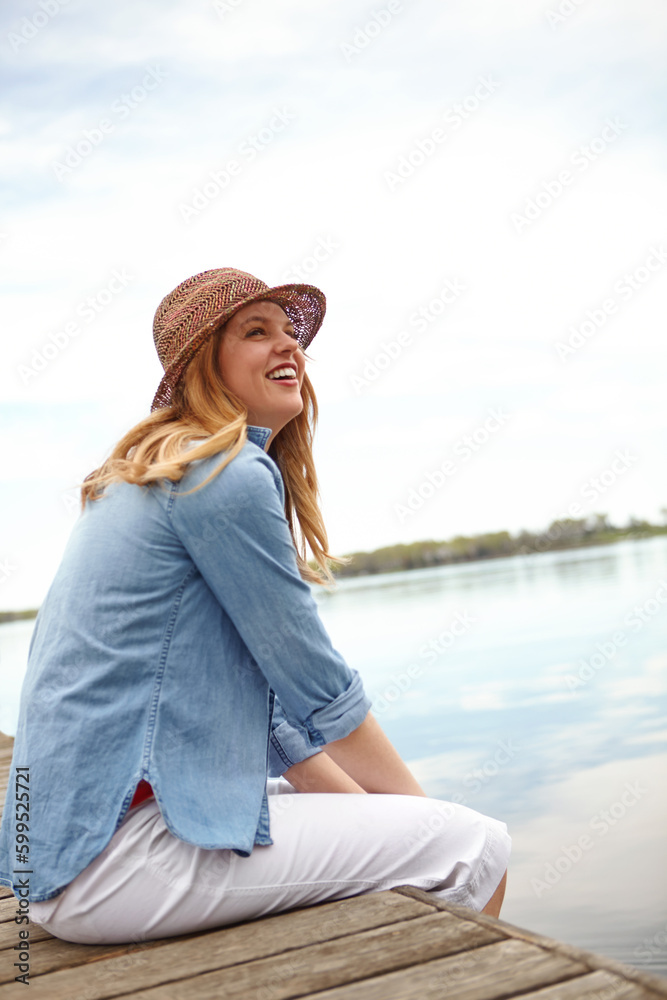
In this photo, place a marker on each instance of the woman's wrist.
(320, 773)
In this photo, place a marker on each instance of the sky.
(477, 187)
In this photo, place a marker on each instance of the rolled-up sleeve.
(235, 530)
(288, 745)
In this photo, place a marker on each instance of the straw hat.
(187, 317)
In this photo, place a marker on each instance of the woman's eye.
(259, 329)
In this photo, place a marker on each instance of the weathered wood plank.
(496, 971)
(175, 958)
(595, 986)
(593, 961)
(6, 751)
(7, 907)
(9, 936)
(486, 973)
(178, 971)
(49, 954)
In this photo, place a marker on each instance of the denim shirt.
(177, 643)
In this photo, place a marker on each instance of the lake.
(530, 688)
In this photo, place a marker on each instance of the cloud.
(323, 176)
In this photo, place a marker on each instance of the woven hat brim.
(304, 304)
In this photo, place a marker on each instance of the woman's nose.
(287, 343)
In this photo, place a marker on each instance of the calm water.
(532, 689)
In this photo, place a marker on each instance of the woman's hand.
(319, 773)
(364, 761)
(368, 756)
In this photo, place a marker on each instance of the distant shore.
(560, 535)
(14, 616)
(566, 534)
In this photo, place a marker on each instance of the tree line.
(567, 533)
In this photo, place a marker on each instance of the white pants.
(148, 884)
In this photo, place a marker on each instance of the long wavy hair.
(203, 407)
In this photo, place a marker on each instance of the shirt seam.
(162, 662)
(277, 746)
(274, 469)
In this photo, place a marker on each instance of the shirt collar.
(259, 435)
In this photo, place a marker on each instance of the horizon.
(569, 544)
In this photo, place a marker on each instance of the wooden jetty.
(396, 945)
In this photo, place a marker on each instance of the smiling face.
(262, 363)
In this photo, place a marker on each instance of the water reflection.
(541, 712)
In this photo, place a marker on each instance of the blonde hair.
(156, 448)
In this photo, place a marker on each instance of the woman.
(178, 659)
